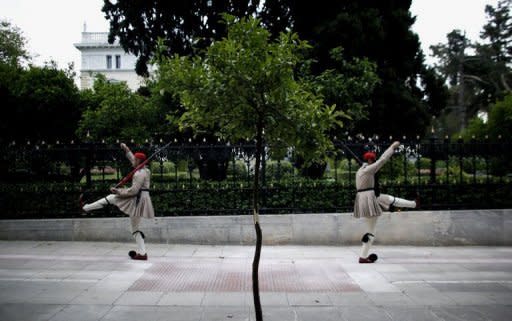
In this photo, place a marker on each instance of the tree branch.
(504, 82)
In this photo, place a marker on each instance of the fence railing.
(45, 180)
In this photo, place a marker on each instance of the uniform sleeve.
(131, 158)
(137, 181)
(383, 159)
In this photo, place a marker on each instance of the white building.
(100, 57)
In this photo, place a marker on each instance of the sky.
(51, 27)
(436, 18)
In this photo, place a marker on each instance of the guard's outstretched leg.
(99, 204)
(402, 203)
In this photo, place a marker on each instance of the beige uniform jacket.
(366, 204)
(135, 200)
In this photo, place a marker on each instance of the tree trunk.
(257, 253)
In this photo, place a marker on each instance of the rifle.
(351, 153)
(129, 176)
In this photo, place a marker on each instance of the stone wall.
(421, 228)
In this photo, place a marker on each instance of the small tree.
(245, 87)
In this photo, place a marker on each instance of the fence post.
(461, 154)
(88, 164)
(433, 158)
(473, 158)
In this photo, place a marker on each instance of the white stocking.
(400, 202)
(135, 220)
(371, 228)
(99, 204)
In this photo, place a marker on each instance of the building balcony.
(95, 39)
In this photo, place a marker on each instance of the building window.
(109, 62)
(118, 62)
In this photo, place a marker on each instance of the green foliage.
(39, 103)
(476, 128)
(239, 169)
(164, 107)
(394, 170)
(372, 29)
(499, 123)
(451, 55)
(279, 170)
(476, 164)
(51, 200)
(12, 45)
(348, 86)
(202, 197)
(498, 31)
(164, 167)
(375, 29)
(500, 118)
(184, 26)
(478, 79)
(497, 129)
(246, 81)
(113, 112)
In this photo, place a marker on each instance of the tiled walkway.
(73, 281)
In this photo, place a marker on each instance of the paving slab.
(29, 311)
(82, 313)
(411, 313)
(56, 281)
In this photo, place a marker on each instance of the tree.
(41, 103)
(245, 87)
(498, 124)
(453, 65)
(451, 55)
(380, 31)
(500, 118)
(497, 52)
(478, 79)
(363, 28)
(348, 85)
(9, 77)
(12, 45)
(111, 106)
(497, 128)
(183, 25)
(498, 31)
(38, 103)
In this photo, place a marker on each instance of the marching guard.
(134, 201)
(369, 203)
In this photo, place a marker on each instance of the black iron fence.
(198, 178)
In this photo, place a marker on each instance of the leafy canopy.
(478, 79)
(12, 45)
(38, 103)
(402, 103)
(499, 122)
(246, 82)
(114, 112)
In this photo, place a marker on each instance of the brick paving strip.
(234, 275)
